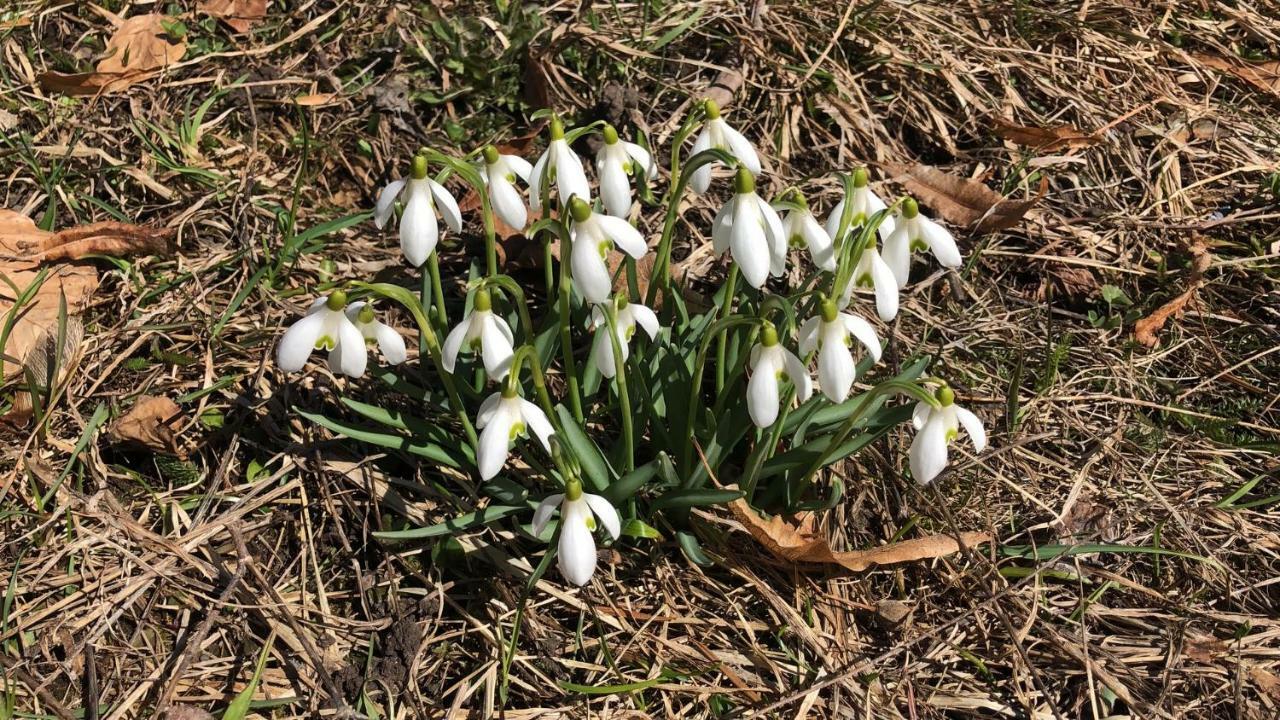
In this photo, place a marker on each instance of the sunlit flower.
(325, 327)
(615, 162)
(935, 429)
(872, 272)
(914, 232)
(481, 332)
(388, 341)
(865, 204)
(752, 231)
(770, 362)
(576, 552)
(629, 315)
(503, 417)
(559, 165)
(499, 173)
(716, 133)
(419, 232)
(803, 231)
(594, 236)
(829, 333)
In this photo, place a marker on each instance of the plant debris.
(965, 202)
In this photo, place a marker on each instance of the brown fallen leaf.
(966, 202)
(1056, 137)
(23, 245)
(790, 543)
(1266, 681)
(1144, 331)
(140, 48)
(239, 15)
(1263, 76)
(315, 99)
(151, 423)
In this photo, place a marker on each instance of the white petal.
(941, 243)
(590, 274)
(519, 166)
(602, 353)
(418, 230)
(487, 409)
(577, 549)
(387, 203)
(495, 442)
(862, 330)
(390, 343)
(741, 148)
(701, 179)
(928, 455)
(875, 205)
(809, 335)
(507, 203)
(353, 354)
(298, 342)
(722, 227)
(775, 236)
(537, 421)
(537, 179)
(897, 254)
(605, 513)
(798, 373)
(542, 515)
(972, 425)
(570, 178)
(615, 188)
(920, 414)
(886, 286)
(624, 235)
(836, 369)
(495, 349)
(749, 245)
(505, 329)
(762, 393)
(833, 220)
(448, 206)
(453, 343)
(642, 158)
(645, 318)
(819, 243)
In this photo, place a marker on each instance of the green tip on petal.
(910, 208)
(573, 489)
(768, 334)
(557, 128)
(610, 135)
(579, 209)
(946, 396)
(337, 301)
(366, 314)
(490, 154)
(829, 310)
(483, 300)
(710, 107)
(860, 178)
(418, 168)
(744, 181)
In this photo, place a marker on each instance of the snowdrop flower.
(377, 333)
(716, 133)
(503, 417)
(936, 427)
(865, 204)
(629, 315)
(873, 272)
(576, 553)
(769, 363)
(325, 327)
(560, 165)
(481, 332)
(913, 232)
(828, 333)
(752, 231)
(499, 173)
(594, 236)
(419, 231)
(803, 231)
(614, 164)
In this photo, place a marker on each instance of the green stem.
(566, 333)
(490, 234)
(726, 305)
(620, 377)
(433, 264)
(530, 353)
(695, 392)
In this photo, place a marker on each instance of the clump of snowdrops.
(572, 420)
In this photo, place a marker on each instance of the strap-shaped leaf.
(469, 521)
(594, 467)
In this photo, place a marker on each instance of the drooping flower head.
(830, 333)
(377, 333)
(936, 428)
(864, 202)
(325, 327)
(559, 166)
(419, 232)
(594, 236)
(803, 231)
(750, 229)
(629, 316)
(503, 417)
(770, 362)
(499, 173)
(482, 332)
(914, 232)
(576, 551)
(615, 162)
(716, 133)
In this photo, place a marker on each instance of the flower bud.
(860, 177)
(610, 135)
(910, 208)
(366, 313)
(557, 128)
(744, 182)
(579, 210)
(483, 301)
(829, 310)
(418, 169)
(337, 301)
(490, 154)
(768, 334)
(946, 396)
(710, 107)
(573, 489)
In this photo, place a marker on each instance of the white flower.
(499, 173)
(913, 231)
(629, 316)
(377, 333)
(935, 429)
(559, 164)
(576, 553)
(828, 333)
(614, 163)
(803, 231)
(716, 133)
(865, 204)
(502, 418)
(419, 231)
(481, 332)
(594, 236)
(752, 231)
(873, 272)
(325, 327)
(769, 363)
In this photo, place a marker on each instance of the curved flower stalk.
(499, 173)
(503, 417)
(913, 232)
(829, 333)
(716, 133)
(629, 316)
(593, 236)
(874, 273)
(770, 362)
(936, 428)
(419, 231)
(615, 162)
(750, 229)
(864, 202)
(325, 327)
(576, 552)
(559, 165)
(482, 332)
(388, 341)
(803, 231)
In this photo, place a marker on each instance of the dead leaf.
(139, 49)
(1056, 137)
(23, 245)
(239, 15)
(1263, 76)
(1144, 331)
(893, 614)
(315, 99)
(789, 543)
(150, 423)
(1266, 681)
(966, 202)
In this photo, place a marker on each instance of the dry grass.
(147, 586)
